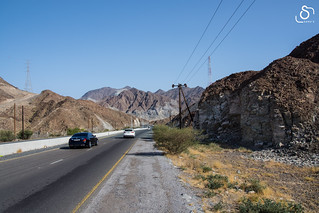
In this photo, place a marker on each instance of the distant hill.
(102, 93)
(146, 105)
(50, 113)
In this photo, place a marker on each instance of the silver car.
(129, 133)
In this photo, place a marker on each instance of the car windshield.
(80, 135)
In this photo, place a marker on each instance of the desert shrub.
(25, 135)
(216, 181)
(253, 185)
(71, 131)
(174, 140)
(269, 206)
(6, 136)
(206, 168)
(218, 206)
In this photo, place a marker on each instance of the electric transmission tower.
(209, 72)
(28, 85)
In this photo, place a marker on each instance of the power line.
(211, 44)
(224, 38)
(199, 41)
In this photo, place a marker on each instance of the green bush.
(206, 168)
(25, 135)
(6, 136)
(173, 140)
(216, 181)
(269, 206)
(254, 185)
(71, 131)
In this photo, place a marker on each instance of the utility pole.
(180, 90)
(14, 119)
(190, 114)
(92, 124)
(179, 102)
(22, 123)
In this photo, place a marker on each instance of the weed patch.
(253, 185)
(269, 206)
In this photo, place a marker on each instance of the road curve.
(59, 179)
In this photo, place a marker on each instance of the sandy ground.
(144, 181)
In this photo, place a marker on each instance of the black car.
(86, 139)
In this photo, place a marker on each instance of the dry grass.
(282, 182)
(19, 150)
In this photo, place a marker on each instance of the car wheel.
(89, 144)
(71, 147)
(97, 142)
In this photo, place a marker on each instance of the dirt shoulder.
(281, 182)
(144, 181)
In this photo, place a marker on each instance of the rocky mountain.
(51, 114)
(103, 93)
(275, 107)
(146, 105)
(192, 95)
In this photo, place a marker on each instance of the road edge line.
(99, 183)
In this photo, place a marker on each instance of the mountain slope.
(49, 113)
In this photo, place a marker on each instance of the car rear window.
(129, 130)
(80, 135)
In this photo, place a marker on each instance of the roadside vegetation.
(228, 180)
(72, 131)
(25, 135)
(6, 136)
(173, 140)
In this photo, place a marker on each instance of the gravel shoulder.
(144, 181)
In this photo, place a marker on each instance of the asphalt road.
(58, 180)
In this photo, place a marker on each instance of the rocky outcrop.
(277, 106)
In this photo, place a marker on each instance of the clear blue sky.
(78, 45)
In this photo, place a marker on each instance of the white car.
(129, 133)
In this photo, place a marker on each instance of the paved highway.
(58, 180)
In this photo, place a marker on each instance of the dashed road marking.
(56, 161)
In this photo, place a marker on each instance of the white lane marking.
(56, 161)
(88, 150)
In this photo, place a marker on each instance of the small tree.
(25, 135)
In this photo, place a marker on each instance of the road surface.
(58, 180)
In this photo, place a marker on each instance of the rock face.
(275, 107)
(142, 104)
